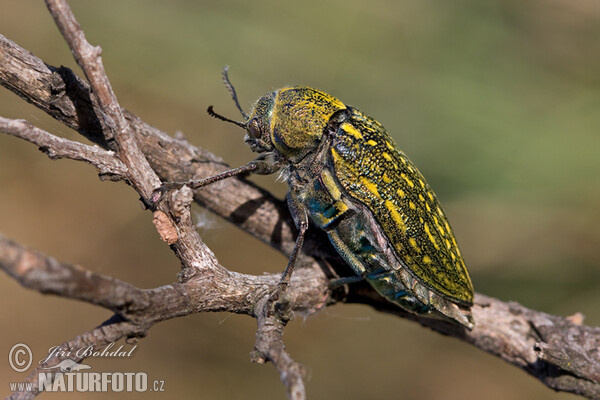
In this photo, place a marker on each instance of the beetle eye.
(254, 128)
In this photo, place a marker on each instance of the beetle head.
(290, 121)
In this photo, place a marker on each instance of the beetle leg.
(245, 169)
(339, 282)
(263, 165)
(287, 274)
(165, 187)
(301, 221)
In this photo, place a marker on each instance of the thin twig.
(189, 248)
(56, 147)
(269, 346)
(109, 332)
(47, 275)
(141, 175)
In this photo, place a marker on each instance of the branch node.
(257, 357)
(279, 306)
(180, 201)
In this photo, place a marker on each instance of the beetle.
(346, 175)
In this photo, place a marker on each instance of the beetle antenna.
(232, 90)
(212, 113)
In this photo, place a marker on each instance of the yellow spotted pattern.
(407, 179)
(351, 130)
(395, 215)
(374, 172)
(330, 185)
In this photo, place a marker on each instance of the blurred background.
(496, 102)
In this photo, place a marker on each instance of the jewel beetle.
(346, 175)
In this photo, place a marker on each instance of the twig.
(137, 310)
(109, 332)
(66, 97)
(141, 176)
(56, 147)
(269, 346)
(218, 290)
(47, 275)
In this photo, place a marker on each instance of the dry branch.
(56, 147)
(559, 351)
(140, 174)
(137, 310)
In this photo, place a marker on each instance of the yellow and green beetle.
(346, 175)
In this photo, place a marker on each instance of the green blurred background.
(496, 102)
